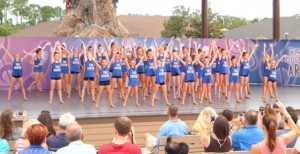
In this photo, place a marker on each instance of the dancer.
(104, 79)
(89, 71)
(17, 71)
(117, 75)
(189, 77)
(56, 72)
(245, 70)
(75, 70)
(216, 69)
(266, 60)
(37, 63)
(234, 79)
(65, 66)
(272, 80)
(149, 72)
(175, 73)
(199, 72)
(133, 79)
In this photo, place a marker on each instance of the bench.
(288, 151)
(195, 147)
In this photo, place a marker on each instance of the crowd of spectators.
(271, 129)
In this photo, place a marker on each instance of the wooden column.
(276, 19)
(204, 19)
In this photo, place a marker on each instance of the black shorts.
(223, 73)
(17, 76)
(140, 72)
(167, 71)
(244, 75)
(160, 83)
(175, 74)
(117, 77)
(273, 81)
(55, 78)
(104, 83)
(88, 78)
(190, 81)
(74, 72)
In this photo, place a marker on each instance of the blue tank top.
(17, 69)
(82, 59)
(38, 65)
(117, 69)
(150, 67)
(272, 75)
(99, 58)
(218, 65)
(160, 75)
(104, 74)
(64, 65)
(224, 66)
(75, 64)
(182, 67)
(200, 72)
(56, 70)
(133, 78)
(141, 68)
(245, 68)
(175, 67)
(168, 64)
(265, 69)
(234, 73)
(206, 76)
(189, 73)
(89, 69)
(124, 67)
(197, 67)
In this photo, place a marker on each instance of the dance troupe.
(188, 68)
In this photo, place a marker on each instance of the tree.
(19, 9)
(4, 8)
(58, 13)
(33, 14)
(231, 22)
(47, 13)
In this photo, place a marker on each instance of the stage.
(289, 95)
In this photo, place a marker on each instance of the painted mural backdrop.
(288, 70)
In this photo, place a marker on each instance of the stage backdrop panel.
(288, 70)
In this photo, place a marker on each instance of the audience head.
(221, 128)
(280, 125)
(28, 124)
(172, 148)
(123, 126)
(46, 119)
(173, 111)
(74, 132)
(204, 118)
(270, 127)
(294, 117)
(228, 114)
(250, 118)
(290, 109)
(6, 124)
(183, 147)
(65, 120)
(269, 110)
(37, 134)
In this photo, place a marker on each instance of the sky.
(249, 9)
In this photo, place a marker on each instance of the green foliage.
(8, 29)
(183, 22)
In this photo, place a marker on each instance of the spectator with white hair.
(74, 135)
(58, 141)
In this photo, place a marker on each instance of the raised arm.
(84, 50)
(264, 52)
(189, 45)
(253, 50)
(272, 50)
(8, 54)
(179, 47)
(183, 62)
(26, 55)
(134, 54)
(155, 43)
(277, 63)
(212, 61)
(122, 42)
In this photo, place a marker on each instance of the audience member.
(172, 148)
(22, 143)
(58, 141)
(220, 140)
(8, 130)
(183, 147)
(4, 147)
(296, 149)
(288, 129)
(271, 143)
(203, 122)
(46, 119)
(120, 142)
(37, 136)
(74, 136)
(172, 128)
(228, 114)
(243, 139)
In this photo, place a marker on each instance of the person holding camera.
(120, 144)
(203, 124)
(8, 130)
(243, 139)
(219, 141)
(271, 143)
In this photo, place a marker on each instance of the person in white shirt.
(76, 146)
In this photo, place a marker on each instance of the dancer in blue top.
(216, 69)
(133, 82)
(56, 72)
(99, 55)
(175, 72)
(75, 70)
(140, 54)
(266, 61)
(234, 79)
(199, 71)
(189, 77)
(89, 71)
(245, 70)
(104, 79)
(37, 63)
(160, 75)
(65, 69)
(17, 72)
(272, 79)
